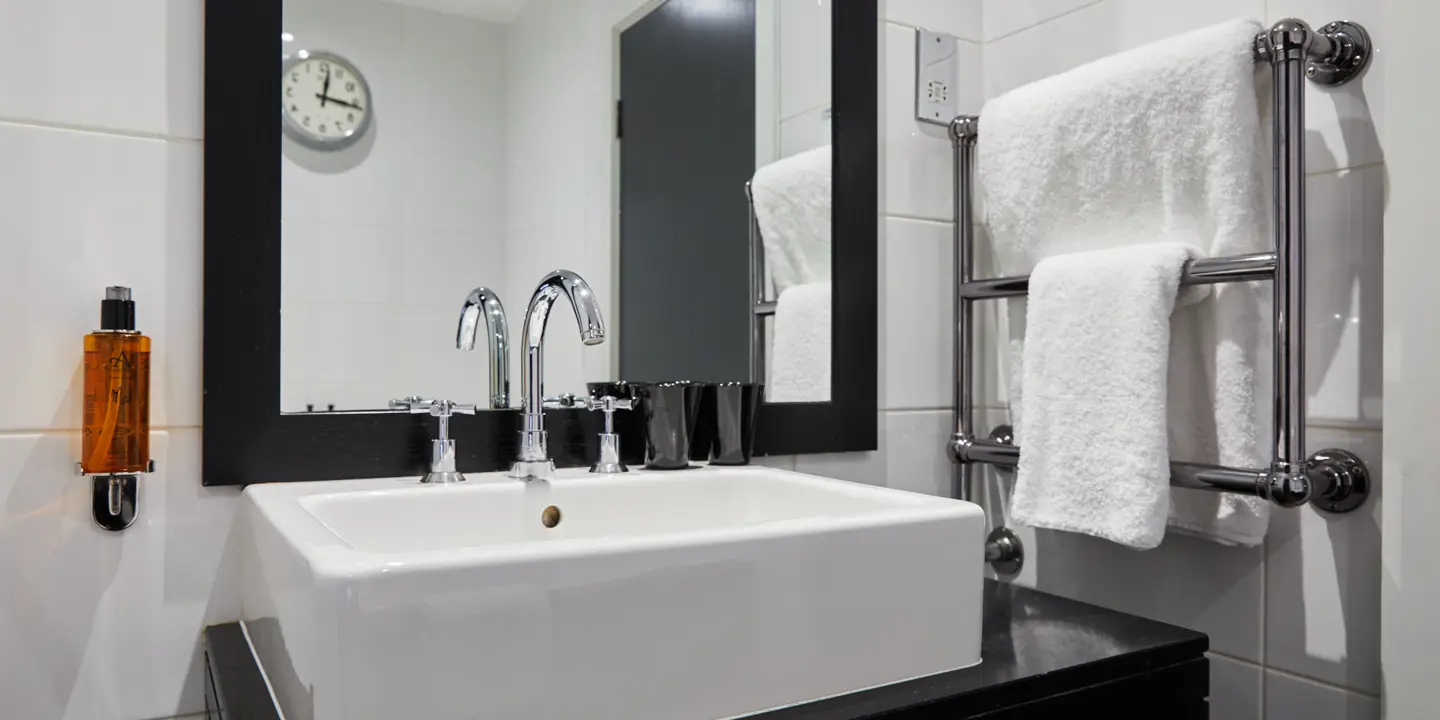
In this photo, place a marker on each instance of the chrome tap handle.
(442, 453)
(560, 402)
(410, 403)
(424, 406)
(609, 442)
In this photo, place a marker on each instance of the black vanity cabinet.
(1043, 657)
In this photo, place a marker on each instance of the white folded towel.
(1096, 353)
(1164, 143)
(800, 354)
(792, 208)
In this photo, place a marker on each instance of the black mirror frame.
(246, 437)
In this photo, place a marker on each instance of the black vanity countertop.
(1043, 656)
(1037, 647)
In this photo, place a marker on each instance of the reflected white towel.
(800, 355)
(792, 208)
(1097, 348)
(1164, 143)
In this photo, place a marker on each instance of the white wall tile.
(960, 18)
(1345, 287)
(805, 131)
(911, 455)
(80, 211)
(1004, 17)
(917, 285)
(133, 66)
(918, 158)
(408, 220)
(1096, 31)
(1186, 581)
(804, 55)
(1234, 689)
(1322, 579)
(108, 624)
(1291, 697)
(1343, 124)
(1043, 50)
(454, 85)
(339, 262)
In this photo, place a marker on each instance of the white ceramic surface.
(705, 594)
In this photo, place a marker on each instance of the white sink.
(709, 593)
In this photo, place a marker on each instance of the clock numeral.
(339, 126)
(294, 108)
(325, 66)
(306, 121)
(350, 86)
(339, 73)
(350, 117)
(295, 77)
(290, 91)
(322, 128)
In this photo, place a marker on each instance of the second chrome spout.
(483, 303)
(534, 457)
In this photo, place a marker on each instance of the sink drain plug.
(550, 517)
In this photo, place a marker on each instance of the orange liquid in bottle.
(116, 425)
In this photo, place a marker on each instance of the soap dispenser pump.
(115, 437)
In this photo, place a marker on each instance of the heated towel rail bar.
(760, 308)
(1334, 480)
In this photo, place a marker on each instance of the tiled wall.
(102, 185)
(100, 127)
(384, 239)
(1294, 625)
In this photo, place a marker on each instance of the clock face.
(325, 102)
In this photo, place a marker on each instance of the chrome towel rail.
(1334, 480)
(760, 308)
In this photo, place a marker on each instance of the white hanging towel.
(1161, 144)
(800, 355)
(1096, 352)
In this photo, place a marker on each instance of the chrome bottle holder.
(114, 498)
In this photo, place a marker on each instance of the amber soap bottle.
(116, 434)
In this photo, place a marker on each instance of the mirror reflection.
(441, 157)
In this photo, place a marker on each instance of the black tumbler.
(729, 413)
(670, 411)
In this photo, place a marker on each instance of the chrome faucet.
(534, 459)
(483, 302)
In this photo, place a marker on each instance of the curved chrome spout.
(534, 457)
(483, 302)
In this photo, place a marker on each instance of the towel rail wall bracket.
(1332, 480)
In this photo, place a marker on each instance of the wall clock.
(325, 101)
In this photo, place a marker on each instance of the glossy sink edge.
(294, 629)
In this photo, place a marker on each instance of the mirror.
(677, 155)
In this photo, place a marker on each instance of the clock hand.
(337, 101)
(325, 91)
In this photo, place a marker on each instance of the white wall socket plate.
(937, 70)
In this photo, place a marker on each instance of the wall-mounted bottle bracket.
(114, 497)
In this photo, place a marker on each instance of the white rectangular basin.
(709, 593)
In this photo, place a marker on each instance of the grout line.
(1374, 426)
(1318, 681)
(1071, 11)
(961, 38)
(1294, 675)
(1351, 168)
(99, 130)
(918, 218)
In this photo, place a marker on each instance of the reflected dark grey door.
(687, 146)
